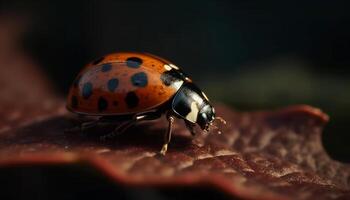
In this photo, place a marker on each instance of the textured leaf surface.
(259, 155)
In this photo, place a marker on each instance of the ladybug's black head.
(206, 116)
(191, 104)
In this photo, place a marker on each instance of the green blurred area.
(287, 81)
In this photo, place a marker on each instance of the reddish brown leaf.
(259, 155)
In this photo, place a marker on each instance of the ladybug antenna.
(221, 120)
(213, 126)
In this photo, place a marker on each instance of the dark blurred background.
(248, 54)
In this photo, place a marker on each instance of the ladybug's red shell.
(121, 83)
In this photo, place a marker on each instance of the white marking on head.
(192, 116)
(174, 66)
(167, 67)
(197, 98)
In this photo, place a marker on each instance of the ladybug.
(138, 87)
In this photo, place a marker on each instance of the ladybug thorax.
(191, 104)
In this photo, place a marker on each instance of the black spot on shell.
(139, 79)
(134, 62)
(74, 102)
(98, 61)
(106, 67)
(102, 104)
(112, 84)
(87, 90)
(131, 100)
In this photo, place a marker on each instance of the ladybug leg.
(190, 127)
(84, 126)
(167, 136)
(118, 130)
(87, 125)
(126, 125)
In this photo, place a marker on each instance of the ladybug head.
(191, 104)
(206, 117)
